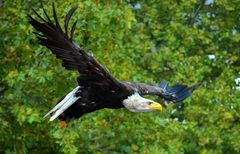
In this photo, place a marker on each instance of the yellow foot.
(63, 124)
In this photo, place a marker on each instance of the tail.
(64, 104)
(178, 92)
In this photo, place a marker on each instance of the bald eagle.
(97, 88)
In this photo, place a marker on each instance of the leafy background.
(183, 41)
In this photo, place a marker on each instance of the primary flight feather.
(97, 88)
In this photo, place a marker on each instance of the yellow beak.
(156, 106)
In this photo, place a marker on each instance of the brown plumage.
(97, 88)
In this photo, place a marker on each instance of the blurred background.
(182, 41)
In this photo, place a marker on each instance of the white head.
(136, 103)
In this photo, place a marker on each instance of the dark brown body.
(98, 89)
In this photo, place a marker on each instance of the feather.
(163, 84)
(175, 93)
(38, 35)
(49, 20)
(67, 18)
(35, 12)
(65, 106)
(61, 103)
(72, 30)
(55, 17)
(176, 88)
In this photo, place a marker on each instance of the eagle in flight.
(97, 88)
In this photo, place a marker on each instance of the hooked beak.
(156, 106)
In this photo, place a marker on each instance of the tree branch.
(196, 13)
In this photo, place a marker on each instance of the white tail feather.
(59, 104)
(64, 107)
(63, 102)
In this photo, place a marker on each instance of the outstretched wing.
(73, 58)
(176, 93)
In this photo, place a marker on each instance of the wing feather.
(175, 93)
(55, 18)
(45, 13)
(72, 30)
(73, 58)
(67, 18)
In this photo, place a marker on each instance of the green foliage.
(145, 41)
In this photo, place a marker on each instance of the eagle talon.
(63, 124)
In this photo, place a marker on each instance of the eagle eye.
(149, 103)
